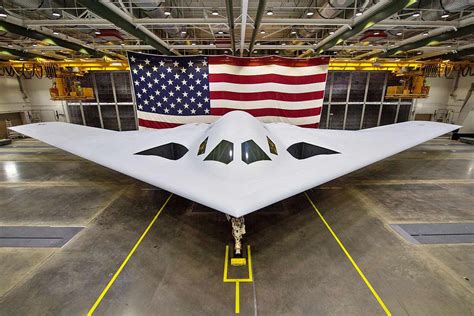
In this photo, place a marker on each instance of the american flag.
(176, 90)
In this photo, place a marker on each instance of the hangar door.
(356, 99)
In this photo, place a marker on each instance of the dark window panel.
(359, 79)
(404, 113)
(336, 117)
(91, 115)
(109, 117)
(122, 86)
(75, 114)
(354, 113)
(377, 79)
(127, 117)
(104, 87)
(324, 115)
(223, 152)
(339, 90)
(371, 115)
(388, 114)
(251, 152)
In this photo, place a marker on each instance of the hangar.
(136, 136)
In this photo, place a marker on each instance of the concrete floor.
(298, 267)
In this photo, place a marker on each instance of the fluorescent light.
(258, 44)
(419, 53)
(34, 45)
(55, 33)
(255, 51)
(376, 33)
(358, 13)
(277, 51)
(194, 44)
(122, 44)
(269, 12)
(262, 32)
(425, 33)
(293, 32)
(399, 33)
(309, 13)
(56, 13)
(167, 12)
(220, 32)
(183, 32)
(97, 32)
(331, 33)
(215, 12)
(416, 14)
(3, 12)
(445, 15)
(283, 44)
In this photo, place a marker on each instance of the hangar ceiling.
(360, 29)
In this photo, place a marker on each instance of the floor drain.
(452, 233)
(36, 236)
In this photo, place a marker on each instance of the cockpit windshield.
(223, 152)
(251, 152)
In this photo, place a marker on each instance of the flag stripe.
(238, 105)
(266, 95)
(268, 60)
(289, 80)
(179, 120)
(271, 112)
(156, 124)
(277, 87)
(267, 69)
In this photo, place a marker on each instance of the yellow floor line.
(382, 304)
(124, 263)
(238, 281)
(237, 298)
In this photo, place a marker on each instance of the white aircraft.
(237, 164)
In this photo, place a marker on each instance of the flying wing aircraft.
(237, 164)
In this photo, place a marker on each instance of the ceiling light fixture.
(293, 32)
(194, 44)
(215, 12)
(34, 45)
(258, 44)
(419, 53)
(331, 33)
(416, 14)
(376, 33)
(425, 33)
(358, 13)
(399, 33)
(57, 13)
(283, 44)
(3, 12)
(445, 15)
(277, 51)
(270, 12)
(167, 12)
(97, 32)
(220, 32)
(262, 32)
(122, 44)
(183, 32)
(55, 33)
(310, 13)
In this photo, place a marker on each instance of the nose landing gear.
(238, 230)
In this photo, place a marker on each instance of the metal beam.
(222, 21)
(430, 39)
(4, 51)
(230, 19)
(50, 39)
(256, 26)
(107, 10)
(243, 25)
(372, 16)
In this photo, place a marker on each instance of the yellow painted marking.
(237, 298)
(124, 263)
(237, 281)
(382, 304)
(236, 262)
(249, 266)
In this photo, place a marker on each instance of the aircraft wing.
(236, 188)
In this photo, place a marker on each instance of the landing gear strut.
(238, 230)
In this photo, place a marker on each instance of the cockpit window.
(223, 152)
(202, 147)
(271, 145)
(251, 152)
